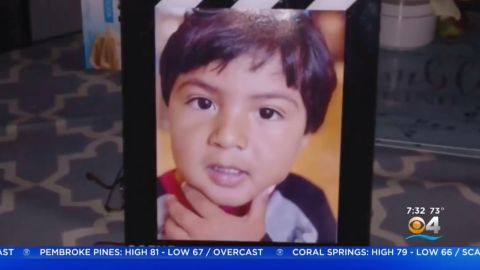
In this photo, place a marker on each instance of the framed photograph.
(249, 122)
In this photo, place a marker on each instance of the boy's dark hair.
(223, 35)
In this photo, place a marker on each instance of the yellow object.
(446, 8)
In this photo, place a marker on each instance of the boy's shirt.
(297, 210)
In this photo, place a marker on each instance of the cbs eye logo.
(417, 225)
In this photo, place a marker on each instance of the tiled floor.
(57, 123)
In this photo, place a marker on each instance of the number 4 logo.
(433, 225)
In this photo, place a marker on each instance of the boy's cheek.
(188, 120)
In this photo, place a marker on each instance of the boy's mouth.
(226, 176)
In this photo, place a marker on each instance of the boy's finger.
(259, 204)
(181, 215)
(174, 232)
(204, 207)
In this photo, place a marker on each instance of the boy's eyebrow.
(196, 82)
(276, 96)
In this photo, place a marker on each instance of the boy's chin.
(230, 201)
(227, 197)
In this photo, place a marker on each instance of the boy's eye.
(201, 103)
(269, 114)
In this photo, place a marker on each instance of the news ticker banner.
(238, 252)
(239, 257)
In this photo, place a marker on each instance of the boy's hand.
(213, 223)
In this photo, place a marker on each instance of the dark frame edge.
(358, 122)
(137, 31)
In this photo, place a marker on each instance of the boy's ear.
(305, 141)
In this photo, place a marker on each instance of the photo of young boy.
(240, 95)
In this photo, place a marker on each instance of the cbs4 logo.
(417, 225)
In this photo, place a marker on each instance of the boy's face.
(236, 132)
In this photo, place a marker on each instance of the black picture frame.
(139, 119)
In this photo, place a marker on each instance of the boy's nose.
(230, 131)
